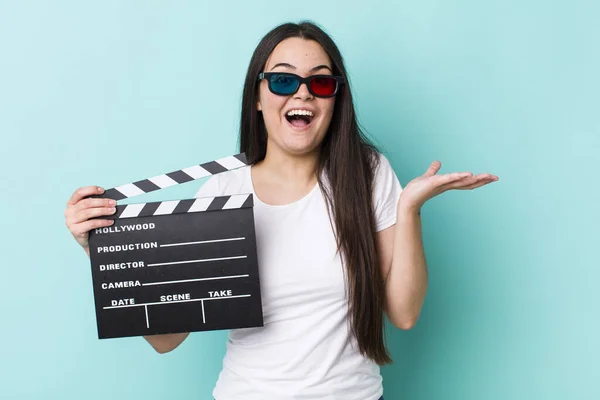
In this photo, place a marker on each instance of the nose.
(303, 92)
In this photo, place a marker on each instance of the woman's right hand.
(80, 209)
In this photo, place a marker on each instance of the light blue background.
(110, 92)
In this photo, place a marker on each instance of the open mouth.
(299, 119)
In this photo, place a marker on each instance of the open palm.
(430, 184)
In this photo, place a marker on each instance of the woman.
(338, 239)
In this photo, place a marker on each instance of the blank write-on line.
(202, 242)
(200, 260)
(195, 280)
(196, 261)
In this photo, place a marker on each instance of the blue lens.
(284, 84)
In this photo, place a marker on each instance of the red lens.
(323, 86)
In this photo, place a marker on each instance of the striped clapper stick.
(176, 266)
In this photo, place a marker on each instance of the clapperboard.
(176, 266)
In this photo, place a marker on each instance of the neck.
(290, 169)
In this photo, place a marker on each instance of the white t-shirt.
(305, 350)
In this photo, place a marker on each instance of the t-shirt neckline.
(279, 206)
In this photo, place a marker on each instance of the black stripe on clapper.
(214, 167)
(183, 206)
(249, 202)
(113, 194)
(242, 158)
(118, 213)
(149, 209)
(218, 203)
(180, 176)
(146, 185)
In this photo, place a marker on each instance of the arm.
(404, 268)
(401, 246)
(166, 343)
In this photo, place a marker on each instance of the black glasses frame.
(267, 75)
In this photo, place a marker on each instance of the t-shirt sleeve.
(386, 193)
(210, 188)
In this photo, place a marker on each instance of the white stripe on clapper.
(166, 207)
(130, 190)
(196, 172)
(132, 210)
(230, 162)
(235, 201)
(201, 204)
(162, 181)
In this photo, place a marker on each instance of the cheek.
(270, 103)
(328, 107)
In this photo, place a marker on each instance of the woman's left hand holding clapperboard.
(81, 216)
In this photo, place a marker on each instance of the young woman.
(338, 239)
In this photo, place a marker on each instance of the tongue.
(299, 122)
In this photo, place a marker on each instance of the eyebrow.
(318, 67)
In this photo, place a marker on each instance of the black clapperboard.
(176, 266)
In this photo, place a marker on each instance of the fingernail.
(100, 189)
(112, 202)
(112, 210)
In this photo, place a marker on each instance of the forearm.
(165, 343)
(406, 284)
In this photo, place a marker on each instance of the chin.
(298, 150)
(301, 144)
(298, 146)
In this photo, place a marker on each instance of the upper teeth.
(299, 112)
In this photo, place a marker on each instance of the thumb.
(433, 168)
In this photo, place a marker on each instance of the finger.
(93, 203)
(476, 184)
(469, 183)
(83, 192)
(85, 227)
(447, 179)
(433, 168)
(86, 214)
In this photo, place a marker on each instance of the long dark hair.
(348, 160)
